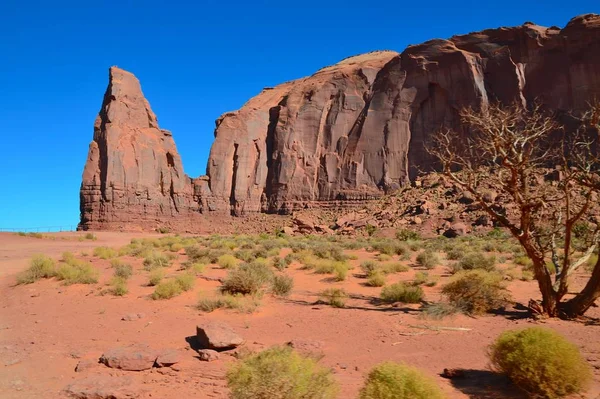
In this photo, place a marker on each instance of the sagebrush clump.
(402, 292)
(391, 380)
(40, 266)
(541, 362)
(280, 373)
(428, 259)
(476, 291)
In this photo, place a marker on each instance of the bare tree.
(510, 148)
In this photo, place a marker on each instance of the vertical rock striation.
(133, 176)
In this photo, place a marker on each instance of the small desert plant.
(40, 266)
(407, 235)
(186, 281)
(241, 303)
(166, 290)
(155, 260)
(370, 266)
(335, 297)
(280, 373)
(248, 278)
(476, 291)
(391, 380)
(402, 292)
(475, 260)
(119, 286)
(121, 269)
(439, 310)
(383, 257)
(163, 230)
(105, 252)
(395, 267)
(227, 261)
(340, 271)
(428, 259)
(541, 362)
(155, 277)
(376, 279)
(77, 273)
(282, 285)
(90, 236)
(420, 278)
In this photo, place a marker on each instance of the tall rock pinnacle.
(133, 176)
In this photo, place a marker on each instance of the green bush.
(475, 260)
(391, 380)
(402, 292)
(395, 267)
(105, 252)
(248, 278)
(166, 290)
(155, 277)
(420, 278)
(376, 279)
(282, 285)
(407, 235)
(227, 261)
(186, 281)
(121, 269)
(541, 362)
(119, 286)
(77, 273)
(280, 373)
(40, 266)
(370, 266)
(241, 303)
(155, 260)
(428, 259)
(526, 275)
(476, 291)
(335, 297)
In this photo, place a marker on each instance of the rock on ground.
(217, 335)
(102, 387)
(136, 357)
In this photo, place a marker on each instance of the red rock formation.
(348, 133)
(133, 176)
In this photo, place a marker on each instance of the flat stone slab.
(217, 335)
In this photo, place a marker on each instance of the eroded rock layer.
(347, 134)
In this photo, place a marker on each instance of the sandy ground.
(46, 328)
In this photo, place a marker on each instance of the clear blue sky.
(196, 60)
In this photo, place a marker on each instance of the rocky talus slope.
(350, 133)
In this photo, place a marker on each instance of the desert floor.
(47, 328)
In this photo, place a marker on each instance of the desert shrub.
(475, 260)
(121, 269)
(155, 260)
(439, 310)
(176, 247)
(186, 281)
(281, 263)
(384, 257)
(166, 290)
(455, 253)
(391, 380)
(376, 279)
(369, 266)
(40, 266)
(476, 291)
(248, 278)
(196, 268)
(335, 297)
(282, 285)
(90, 236)
(402, 292)
(420, 278)
(340, 271)
(395, 267)
(526, 275)
(227, 261)
(385, 247)
(68, 257)
(523, 260)
(77, 273)
(280, 373)
(163, 230)
(245, 255)
(118, 286)
(428, 259)
(155, 277)
(241, 303)
(105, 252)
(407, 235)
(541, 362)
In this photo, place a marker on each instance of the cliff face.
(348, 133)
(133, 176)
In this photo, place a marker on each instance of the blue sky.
(195, 60)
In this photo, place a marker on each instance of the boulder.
(135, 357)
(457, 230)
(217, 335)
(208, 355)
(102, 387)
(168, 358)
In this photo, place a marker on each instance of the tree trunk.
(549, 297)
(578, 305)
